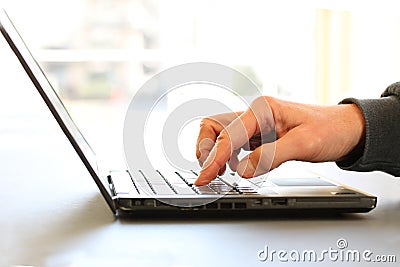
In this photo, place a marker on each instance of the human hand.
(303, 132)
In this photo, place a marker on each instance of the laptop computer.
(154, 192)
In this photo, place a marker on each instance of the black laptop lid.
(54, 103)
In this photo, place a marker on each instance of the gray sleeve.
(380, 148)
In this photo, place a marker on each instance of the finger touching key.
(235, 135)
(216, 160)
(210, 129)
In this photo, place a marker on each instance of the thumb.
(269, 156)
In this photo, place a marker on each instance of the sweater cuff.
(381, 127)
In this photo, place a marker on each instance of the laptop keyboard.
(167, 183)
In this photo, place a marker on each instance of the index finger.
(231, 138)
(234, 136)
(210, 129)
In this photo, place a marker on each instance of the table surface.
(53, 214)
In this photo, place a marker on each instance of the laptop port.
(212, 206)
(240, 205)
(225, 205)
(137, 203)
(161, 204)
(257, 202)
(150, 203)
(279, 201)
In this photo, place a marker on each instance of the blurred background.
(97, 53)
(313, 51)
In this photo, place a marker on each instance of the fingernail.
(200, 182)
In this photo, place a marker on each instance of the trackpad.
(309, 181)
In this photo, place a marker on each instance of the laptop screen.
(52, 100)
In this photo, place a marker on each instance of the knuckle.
(262, 100)
(314, 147)
(207, 121)
(312, 144)
(223, 137)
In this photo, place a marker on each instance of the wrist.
(356, 133)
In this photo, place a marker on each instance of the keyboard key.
(123, 183)
(221, 188)
(188, 178)
(173, 178)
(139, 176)
(163, 189)
(157, 181)
(184, 190)
(144, 187)
(250, 193)
(190, 181)
(217, 182)
(204, 190)
(230, 180)
(233, 192)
